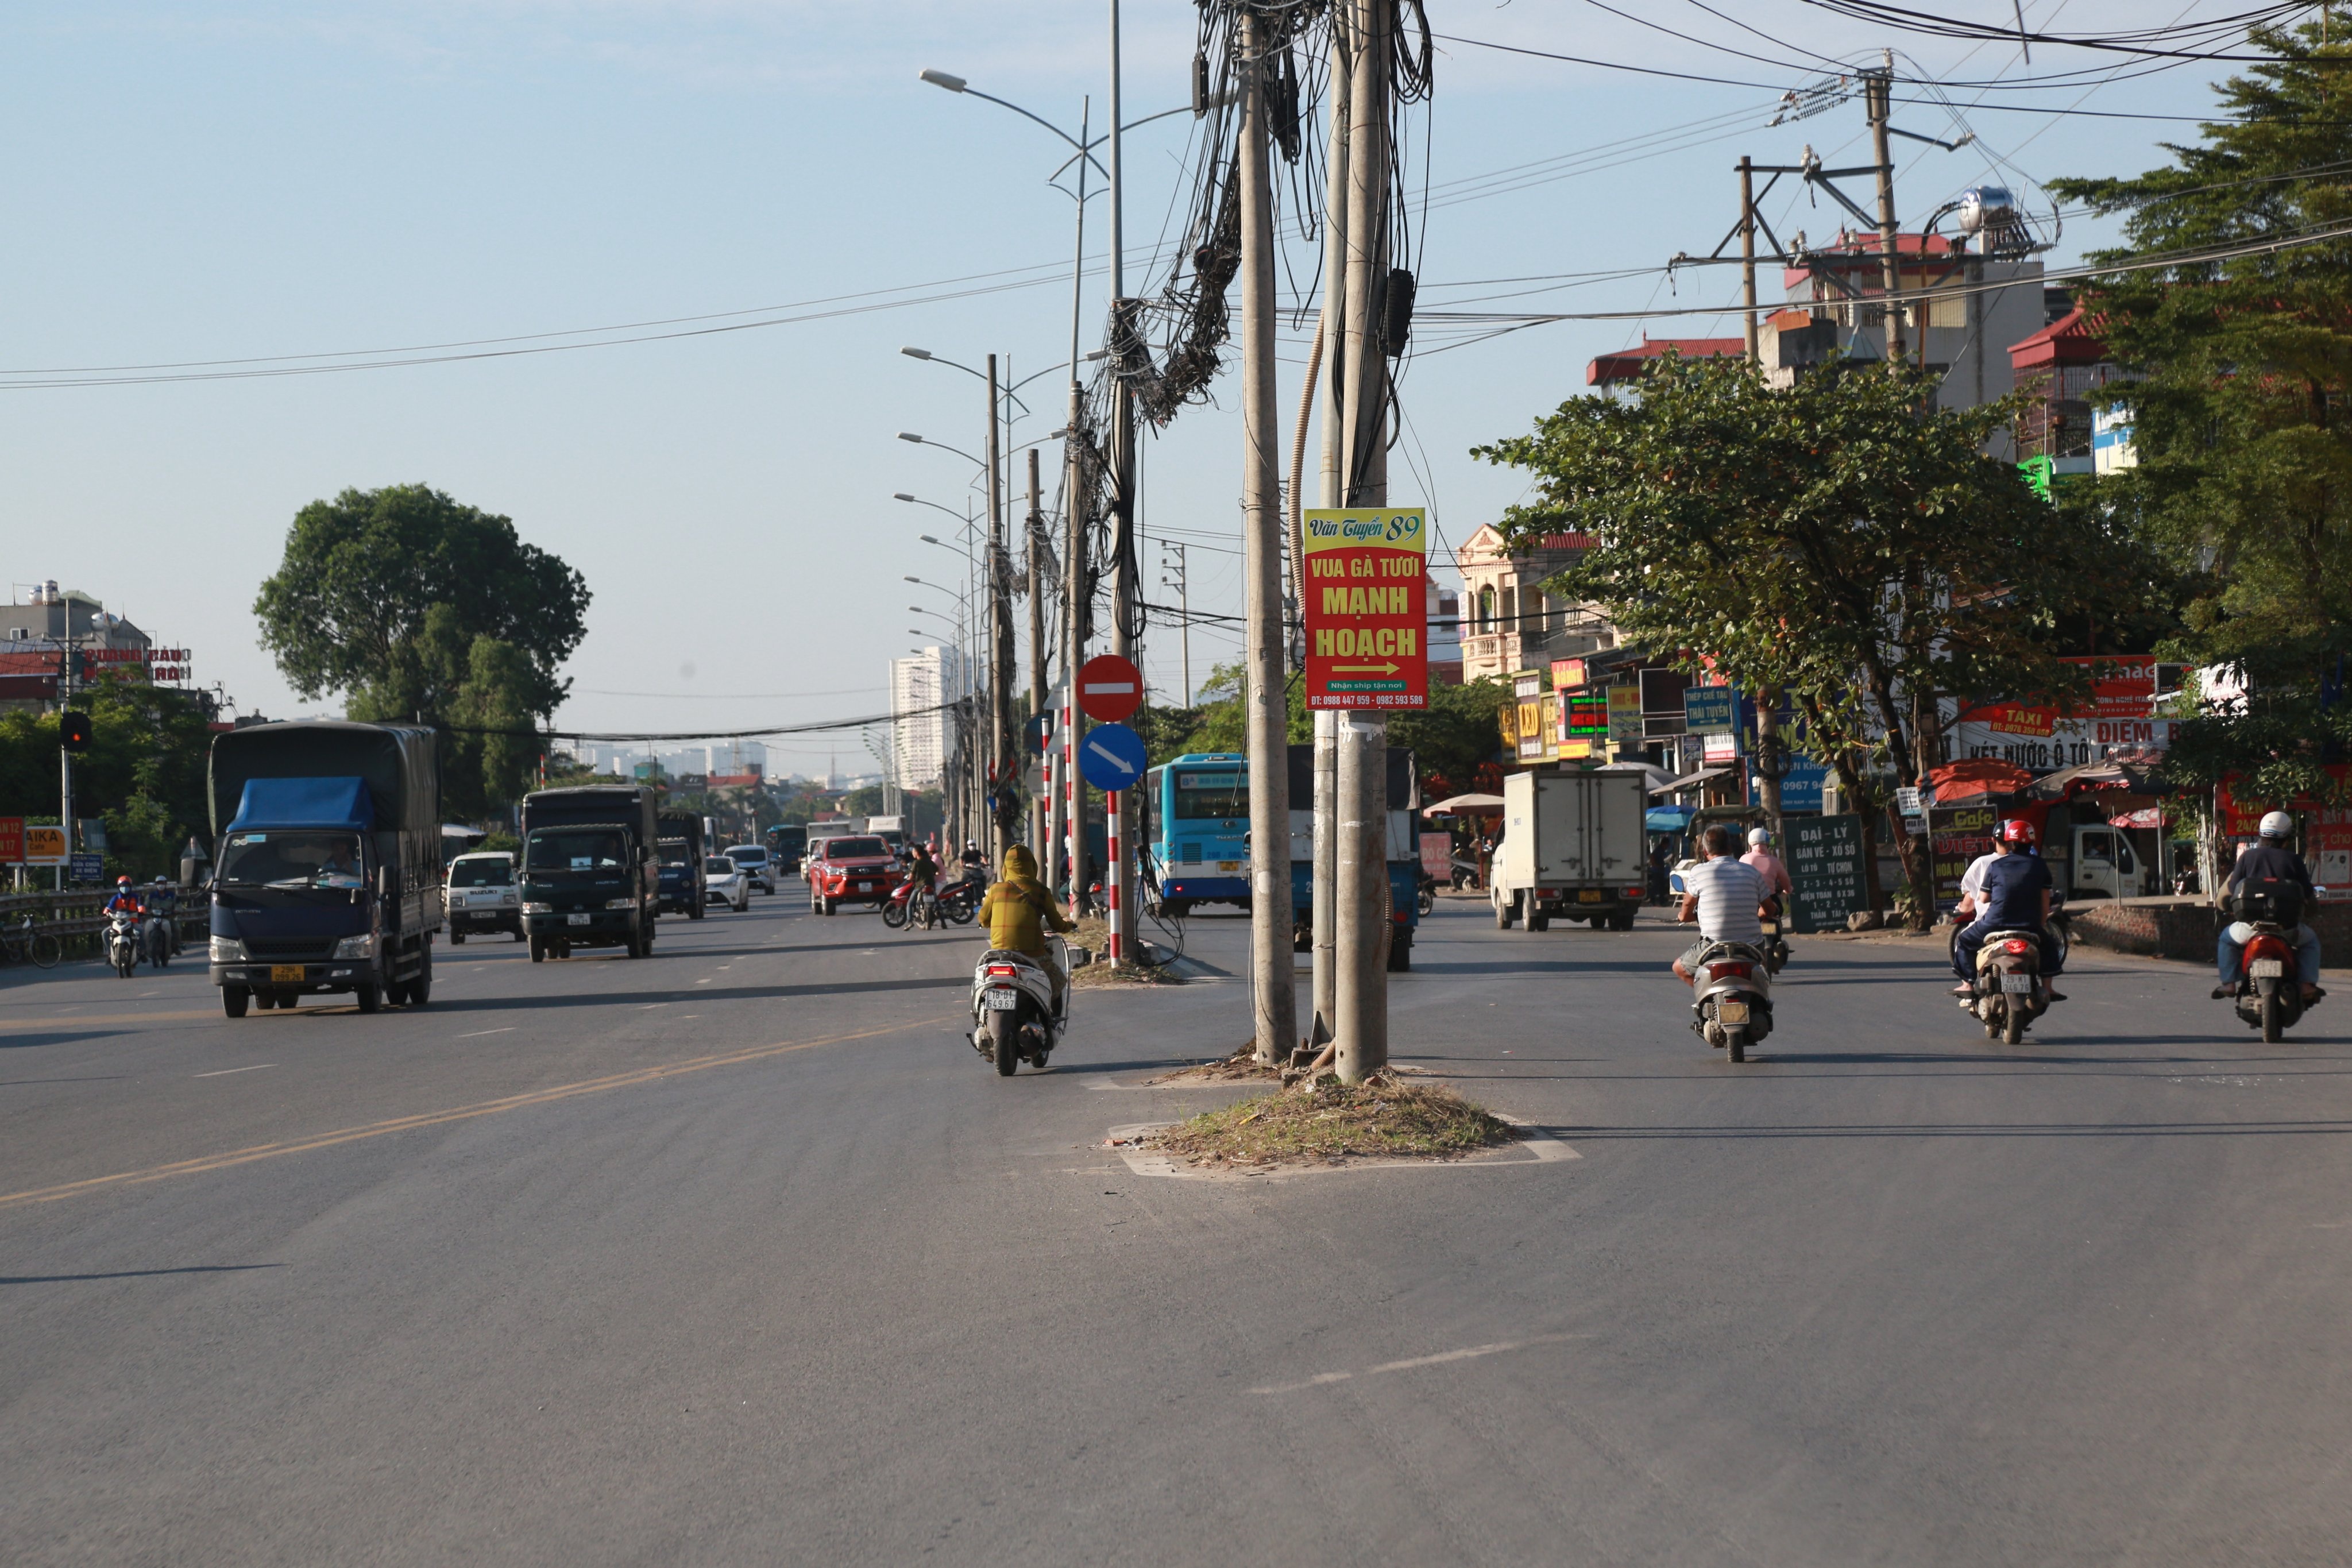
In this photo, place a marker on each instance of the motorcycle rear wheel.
(1003, 1033)
(1736, 1042)
(2012, 1021)
(2273, 1019)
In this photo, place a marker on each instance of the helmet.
(2277, 824)
(123, 881)
(2016, 830)
(1758, 837)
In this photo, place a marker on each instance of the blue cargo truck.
(683, 886)
(590, 873)
(1402, 825)
(328, 844)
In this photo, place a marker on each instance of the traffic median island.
(1326, 1123)
(1159, 967)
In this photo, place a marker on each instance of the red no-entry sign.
(1109, 688)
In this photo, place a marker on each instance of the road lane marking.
(1468, 1353)
(204, 1162)
(480, 1033)
(225, 1071)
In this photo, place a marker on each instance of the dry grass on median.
(1328, 1122)
(1094, 934)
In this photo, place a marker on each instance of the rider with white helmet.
(2269, 862)
(1768, 865)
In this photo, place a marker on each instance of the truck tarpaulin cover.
(400, 764)
(305, 803)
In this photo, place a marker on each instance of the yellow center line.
(438, 1118)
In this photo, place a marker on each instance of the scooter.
(1776, 950)
(122, 942)
(1733, 1006)
(2269, 994)
(2011, 991)
(1013, 1018)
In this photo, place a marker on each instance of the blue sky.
(202, 182)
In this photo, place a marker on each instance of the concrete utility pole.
(1331, 492)
(1000, 651)
(1753, 334)
(1272, 979)
(1360, 884)
(1119, 886)
(1878, 95)
(1041, 828)
(64, 757)
(1075, 599)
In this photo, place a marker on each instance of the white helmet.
(1758, 837)
(2277, 824)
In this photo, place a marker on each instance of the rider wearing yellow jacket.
(1020, 911)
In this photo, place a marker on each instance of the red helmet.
(2016, 830)
(123, 881)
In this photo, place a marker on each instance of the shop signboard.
(1957, 835)
(2039, 739)
(1710, 709)
(1625, 715)
(1802, 790)
(12, 840)
(1825, 869)
(1367, 571)
(44, 846)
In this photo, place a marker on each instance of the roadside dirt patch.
(1328, 1122)
(1094, 934)
(1242, 1067)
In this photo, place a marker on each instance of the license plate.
(577, 920)
(1731, 1012)
(286, 974)
(865, 887)
(2017, 985)
(1589, 896)
(1003, 1001)
(2268, 968)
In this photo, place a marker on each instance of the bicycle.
(23, 940)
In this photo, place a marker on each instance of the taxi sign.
(1111, 756)
(1109, 688)
(1366, 612)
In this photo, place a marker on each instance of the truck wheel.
(1618, 920)
(420, 990)
(824, 906)
(698, 911)
(456, 937)
(1400, 953)
(370, 998)
(538, 952)
(232, 1000)
(1505, 907)
(632, 946)
(1538, 922)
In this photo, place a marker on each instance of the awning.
(1668, 818)
(1977, 778)
(1690, 781)
(2131, 778)
(1653, 776)
(1465, 806)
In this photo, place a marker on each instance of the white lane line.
(225, 1071)
(480, 1033)
(1468, 1353)
(704, 981)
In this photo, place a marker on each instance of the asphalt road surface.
(739, 1254)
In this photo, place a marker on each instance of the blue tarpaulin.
(1668, 818)
(305, 803)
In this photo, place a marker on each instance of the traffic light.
(73, 730)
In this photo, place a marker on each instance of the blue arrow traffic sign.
(1111, 756)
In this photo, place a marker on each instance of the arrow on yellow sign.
(1365, 668)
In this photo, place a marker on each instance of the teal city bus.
(1200, 838)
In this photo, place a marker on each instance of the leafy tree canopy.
(2239, 403)
(1449, 738)
(143, 773)
(418, 607)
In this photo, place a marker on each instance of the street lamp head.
(924, 537)
(948, 79)
(910, 579)
(916, 353)
(911, 435)
(901, 495)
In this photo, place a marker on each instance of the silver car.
(481, 896)
(757, 864)
(725, 883)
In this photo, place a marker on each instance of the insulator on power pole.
(1199, 85)
(1282, 109)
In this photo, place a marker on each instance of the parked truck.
(327, 863)
(681, 876)
(1403, 853)
(590, 869)
(1573, 846)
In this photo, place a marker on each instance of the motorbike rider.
(1768, 865)
(922, 876)
(1723, 895)
(125, 901)
(2269, 860)
(163, 904)
(1020, 911)
(2015, 896)
(974, 864)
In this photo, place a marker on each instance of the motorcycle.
(1013, 1015)
(1426, 899)
(122, 942)
(1733, 1007)
(911, 907)
(1776, 949)
(2269, 993)
(2011, 990)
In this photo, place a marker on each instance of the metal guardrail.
(76, 913)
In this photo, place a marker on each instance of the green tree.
(418, 607)
(1449, 738)
(1840, 541)
(143, 773)
(2240, 404)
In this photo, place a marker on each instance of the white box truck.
(1572, 846)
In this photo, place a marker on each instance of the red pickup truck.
(859, 870)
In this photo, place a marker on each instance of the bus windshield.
(1209, 795)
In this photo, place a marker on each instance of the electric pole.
(1768, 766)
(1042, 810)
(1119, 886)
(1075, 602)
(1748, 259)
(1000, 651)
(1183, 583)
(1361, 882)
(1272, 978)
(1878, 96)
(1331, 492)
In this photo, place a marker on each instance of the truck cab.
(590, 875)
(680, 874)
(2104, 865)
